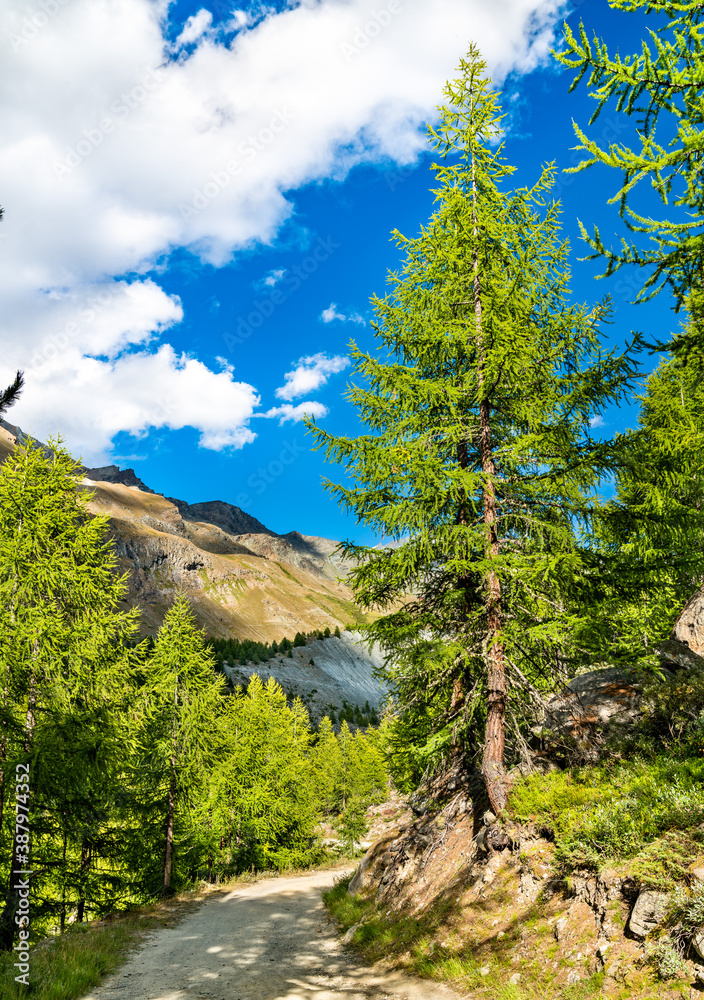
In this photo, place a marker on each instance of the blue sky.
(179, 362)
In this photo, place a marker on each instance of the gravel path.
(268, 941)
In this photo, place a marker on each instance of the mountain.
(243, 579)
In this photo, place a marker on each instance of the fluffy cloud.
(287, 411)
(331, 313)
(109, 168)
(310, 374)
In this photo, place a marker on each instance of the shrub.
(665, 959)
(642, 811)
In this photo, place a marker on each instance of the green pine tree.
(479, 459)
(267, 806)
(64, 659)
(653, 530)
(181, 734)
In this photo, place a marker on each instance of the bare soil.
(271, 940)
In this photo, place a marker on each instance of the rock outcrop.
(342, 669)
(648, 913)
(593, 705)
(685, 647)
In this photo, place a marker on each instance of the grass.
(66, 967)
(644, 815)
(414, 944)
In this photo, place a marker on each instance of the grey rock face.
(224, 515)
(600, 698)
(343, 669)
(649, 911)
(113, 474)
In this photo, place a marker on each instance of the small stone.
(698, 874)
(484, 971)
(602, 949)
(613, 970)
(350, 934)
(515, 979)
(488, 818)
(573, 977)
(559, 928)
(699, 974)
(500, 935)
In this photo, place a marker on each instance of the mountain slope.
(242, 579)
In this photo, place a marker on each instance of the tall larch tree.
(180, 733)
(64, 643)
(479, 461)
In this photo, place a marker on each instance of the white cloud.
(194, 28)
(289, 412)
(597, 421)
(109, 168)
(331, 313)
(310, 373)
(92, 399)
(274, 277)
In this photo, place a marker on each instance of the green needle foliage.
(180, 738)
(479, 461)
(653, 530)
(65, 668)
(145, 776)
(662, 86)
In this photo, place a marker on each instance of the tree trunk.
(493, 769)
(63, 881)
(85, 865)
(169, 839)
(493, 759)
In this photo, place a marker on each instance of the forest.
(145, 771)
(528, 545)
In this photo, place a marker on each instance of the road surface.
(271, 940)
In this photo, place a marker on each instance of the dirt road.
(267, 941)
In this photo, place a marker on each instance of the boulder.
(601, 699)
(689, 627)
(675, 655)
(648, 912)
(698, 941)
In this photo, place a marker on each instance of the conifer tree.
(267, 802)
(10, 395)
(653, 530)
(661, 86)
(63, 641)
(479, 459)
(180, 735)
